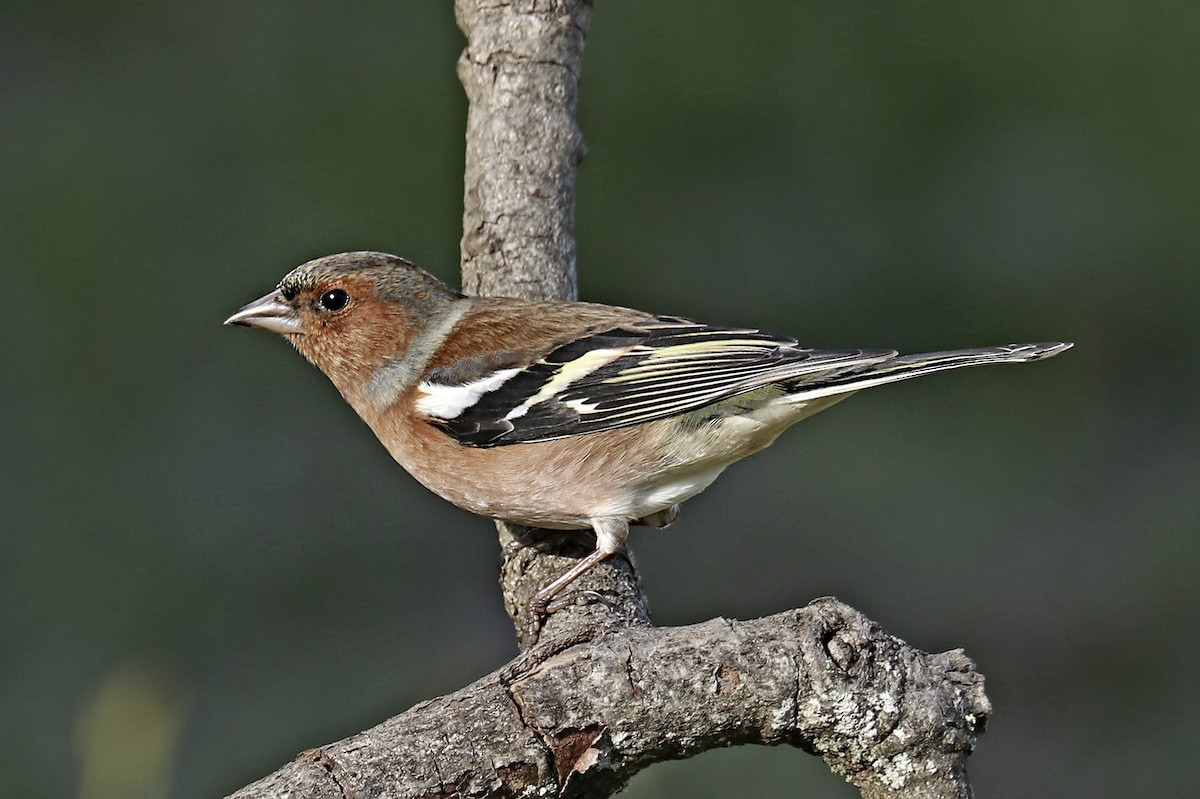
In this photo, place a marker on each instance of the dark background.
(209, 564)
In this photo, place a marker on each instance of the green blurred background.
(209, 564)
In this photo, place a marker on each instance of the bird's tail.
(902, 367)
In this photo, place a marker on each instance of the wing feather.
(632, 374)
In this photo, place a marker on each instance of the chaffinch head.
(562, 414)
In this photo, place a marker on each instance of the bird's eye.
(334, 300)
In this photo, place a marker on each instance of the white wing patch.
(571, 372)
(581, 406)
(447, 402)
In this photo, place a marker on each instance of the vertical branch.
(520, 70)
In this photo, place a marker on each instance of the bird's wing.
(627, 375)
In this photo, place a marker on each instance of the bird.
(561, 414)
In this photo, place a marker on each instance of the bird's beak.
(271, 312)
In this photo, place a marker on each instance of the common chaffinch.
(565, 415)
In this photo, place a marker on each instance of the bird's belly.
(564, 483)
(671, 489)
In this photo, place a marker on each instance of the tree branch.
(582, 721)
(520, 70)
(602, 694)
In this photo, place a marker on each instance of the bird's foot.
(576, 599)
(541, 608)
(535, 615)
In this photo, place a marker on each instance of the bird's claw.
(576, 598)
(540, 608)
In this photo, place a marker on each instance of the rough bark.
(520, 70)
(602, 694)
(580, 721)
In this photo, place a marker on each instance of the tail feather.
(903, 367)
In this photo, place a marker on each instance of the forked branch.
(603, 695)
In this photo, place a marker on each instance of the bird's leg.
(611, 533)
